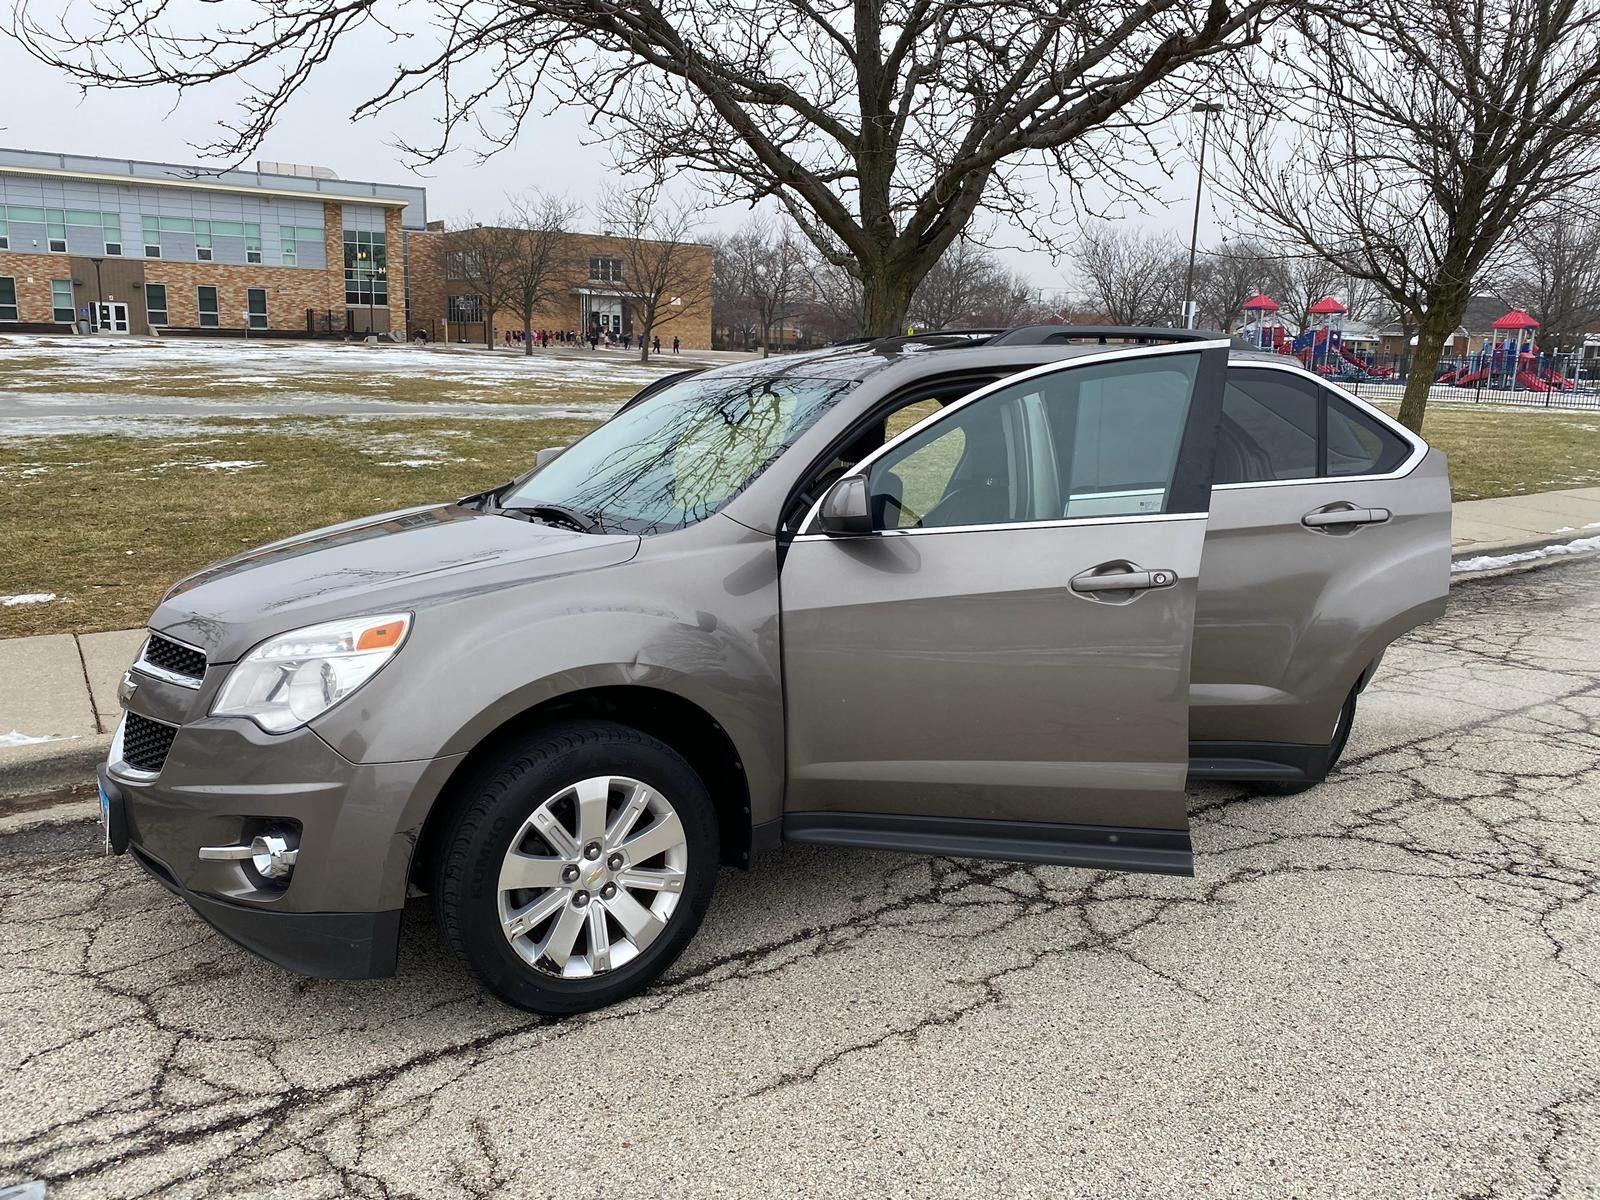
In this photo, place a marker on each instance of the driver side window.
(969, 469)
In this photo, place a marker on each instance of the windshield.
(679, 456)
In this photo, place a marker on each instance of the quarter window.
(1358, 445)
(62, 308)
(208, 308)
(8, 298)
(155, 303)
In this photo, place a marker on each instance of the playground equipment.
(1322, 348)
(1257, 330)
(1508, 360)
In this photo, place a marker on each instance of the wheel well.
(680, 723)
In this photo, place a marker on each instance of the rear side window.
(1358, 445)
(1269, 428)
(1278, 426)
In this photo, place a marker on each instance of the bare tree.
(665, 268)
(542, 267)
(1554, 273)
(1136, 277)
(732, 308)
(834, 309)
(776, 277)
(1229, 275)
(881, 126)
(970, 287)
(485, 259)
(1422, 131)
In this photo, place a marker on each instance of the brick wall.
(290, 291)
(33, 273)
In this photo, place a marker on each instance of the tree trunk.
(644, 345)
(1424, 364)
(527, 335)
(887, 296)
(766, 337)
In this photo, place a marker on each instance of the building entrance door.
(110, 317)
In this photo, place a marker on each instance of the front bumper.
(224, 780)
(324, 945)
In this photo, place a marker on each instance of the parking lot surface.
(1386, 986)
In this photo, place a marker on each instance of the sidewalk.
(58, 692)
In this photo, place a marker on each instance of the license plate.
(105, 819)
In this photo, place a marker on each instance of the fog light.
(273, 854)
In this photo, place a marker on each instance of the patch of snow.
(28, 598)
(417, 462)
(1493, 562)
(237, 464)
(23, 739)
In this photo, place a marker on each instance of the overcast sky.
(558, 152)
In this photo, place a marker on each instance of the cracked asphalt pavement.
(1386, 986)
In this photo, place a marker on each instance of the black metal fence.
(1527, 380)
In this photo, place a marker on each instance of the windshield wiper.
(580, 521)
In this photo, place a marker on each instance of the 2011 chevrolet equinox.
(991, 596)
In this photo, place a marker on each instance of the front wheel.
(579, 867)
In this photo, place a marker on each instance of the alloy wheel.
(592, 877)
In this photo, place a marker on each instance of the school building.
(119, 246)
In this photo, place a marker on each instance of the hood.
(393, 562)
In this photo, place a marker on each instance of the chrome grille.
(145, 742)
(174, 657)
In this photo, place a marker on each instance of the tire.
(1341, 735)
(538, 947)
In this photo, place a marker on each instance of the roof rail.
(1106, 335)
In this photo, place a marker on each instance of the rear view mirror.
(548, 454)
(845, 511)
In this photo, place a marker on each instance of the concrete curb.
(51, 766)
(1543, 543)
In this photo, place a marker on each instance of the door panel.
(993, 669)
(958, 674)
(1296, 602)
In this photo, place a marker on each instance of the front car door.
(1001, 667)
(1329, 537)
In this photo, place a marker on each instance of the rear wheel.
(1341, 735)
(579, 867)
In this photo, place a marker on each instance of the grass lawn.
(107, 523)
(1501, 452)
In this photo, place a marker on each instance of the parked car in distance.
(991, 595)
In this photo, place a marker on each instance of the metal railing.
(1566, 381)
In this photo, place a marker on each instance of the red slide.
(1534, 383)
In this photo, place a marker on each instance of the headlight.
(297, 676)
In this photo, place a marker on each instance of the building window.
(56, 230)
(606, 270)
(208, 308)
(8, 298)
(202, 241)
(366, 268)
(464, 310)
(288, 236)
(111, 227)
(5, 234)
(463, 264)
(62, 308)
(155, 303)
(252, 243)
(256, 303)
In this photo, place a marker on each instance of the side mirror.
(548, 454)
(845, 509)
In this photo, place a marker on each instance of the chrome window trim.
(1060, 523)
(121, 769)
(145, 667)
(1419, 448)
(1113, 353)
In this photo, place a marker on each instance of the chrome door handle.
(1137, 580)
(1324, 518)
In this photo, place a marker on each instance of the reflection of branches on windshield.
(697, 447)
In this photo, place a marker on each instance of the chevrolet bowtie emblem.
(126, 688)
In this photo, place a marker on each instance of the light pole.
(1190, 309)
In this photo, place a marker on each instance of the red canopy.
(1259, 303)
(1327, 306)
(1515, 319)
